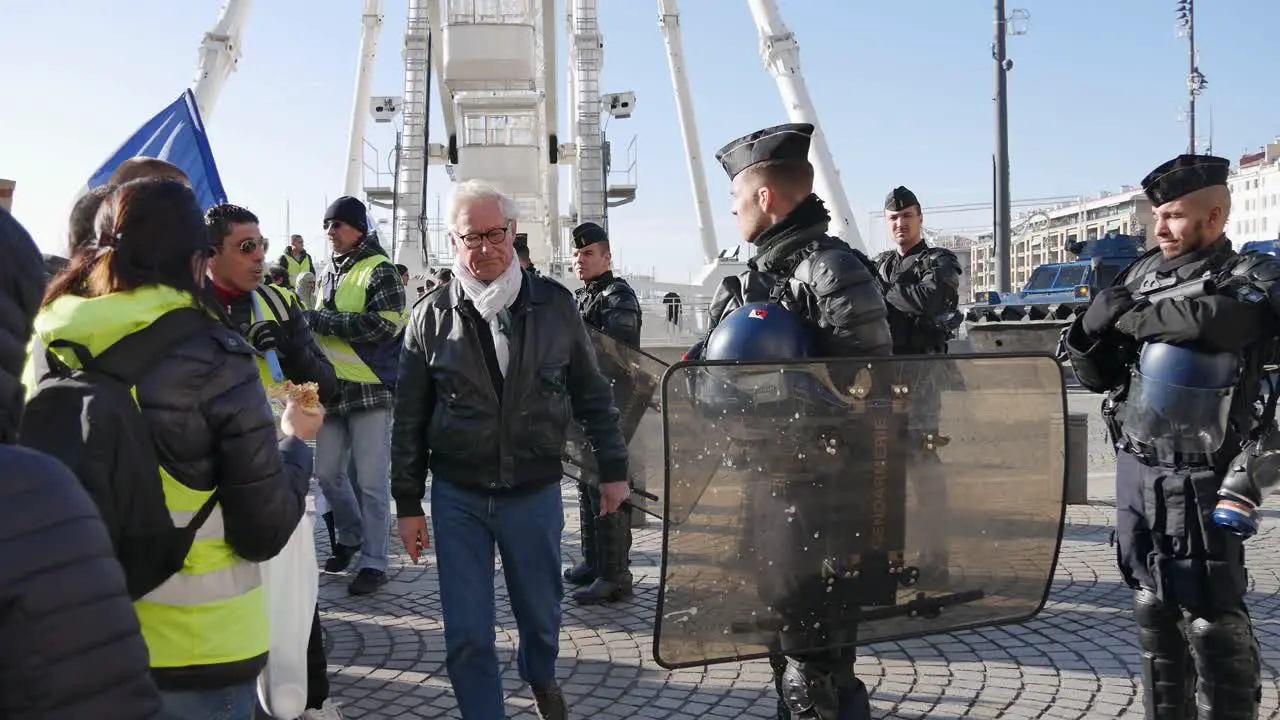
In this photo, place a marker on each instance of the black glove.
(266, 336)
(1106, 307)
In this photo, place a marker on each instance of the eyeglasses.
(493, 237)
(248, 245)
(333, 224)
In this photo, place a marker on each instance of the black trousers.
(1200, 658)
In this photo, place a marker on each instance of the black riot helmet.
(1179, 402)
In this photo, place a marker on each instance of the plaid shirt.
(385, 292)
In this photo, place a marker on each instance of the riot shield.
(856, 501)
(635, 377)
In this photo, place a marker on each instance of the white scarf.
(492, 299)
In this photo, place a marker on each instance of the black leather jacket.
(608, 304)
(450, 418)
(820, 277)
(920, 289)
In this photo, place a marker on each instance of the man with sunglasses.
(271, 318)
(359, 315)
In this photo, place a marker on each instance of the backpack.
(88, 418)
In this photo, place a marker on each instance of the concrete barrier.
(1075, 455)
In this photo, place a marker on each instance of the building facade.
(1255, 196)
(1042, 236)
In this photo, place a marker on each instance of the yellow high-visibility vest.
(350, 296)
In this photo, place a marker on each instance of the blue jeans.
(526, 530)
(362, 438)
(233, 703)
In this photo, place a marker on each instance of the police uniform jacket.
(608, 304)
(816, 276)
(1237, 318)
(920, 288)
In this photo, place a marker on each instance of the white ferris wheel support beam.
(669, 21)
(435, 18)
(551, 118)
(371, 19)
(219, 54)
(781, 56)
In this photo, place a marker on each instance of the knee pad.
(1150, 612)
(1221, 636)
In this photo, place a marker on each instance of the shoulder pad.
(1259, 267)
(941, 257)
(619, 288)
(232, 341)
(828, 271)
(622, 301)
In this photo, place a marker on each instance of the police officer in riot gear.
(608, 304)
(1182, 377)
(796, 263)
(921, 283)
(921, 286)
(832, 289)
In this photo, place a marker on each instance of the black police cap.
(1183, 175)
(588, 233)
(781, 142)
(900, 198)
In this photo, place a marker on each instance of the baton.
(628, 503)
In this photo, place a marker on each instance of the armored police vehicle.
(1032, 320)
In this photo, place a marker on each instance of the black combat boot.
(584, 573)
(613, 543)
(1168, 677)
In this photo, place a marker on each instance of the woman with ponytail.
(209, 422)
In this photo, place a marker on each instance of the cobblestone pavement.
(1076, 660)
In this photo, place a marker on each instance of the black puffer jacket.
(457, 415)
(69, 641)
(608, 304)
(818, 277)
(213, 428)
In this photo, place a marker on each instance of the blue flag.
(176, 134)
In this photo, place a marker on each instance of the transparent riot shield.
(853, 502)
(635, 377)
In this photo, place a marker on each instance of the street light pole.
(1003, 220)
(1003, 251)
(1196, 82)
(1191, 74)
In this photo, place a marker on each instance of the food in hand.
(305, 395)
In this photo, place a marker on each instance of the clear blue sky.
(903, 90)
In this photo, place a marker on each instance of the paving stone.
(1076, 661)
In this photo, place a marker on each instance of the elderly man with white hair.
(495, 366)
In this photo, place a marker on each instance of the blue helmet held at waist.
(760, 331)
(1177, 412)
